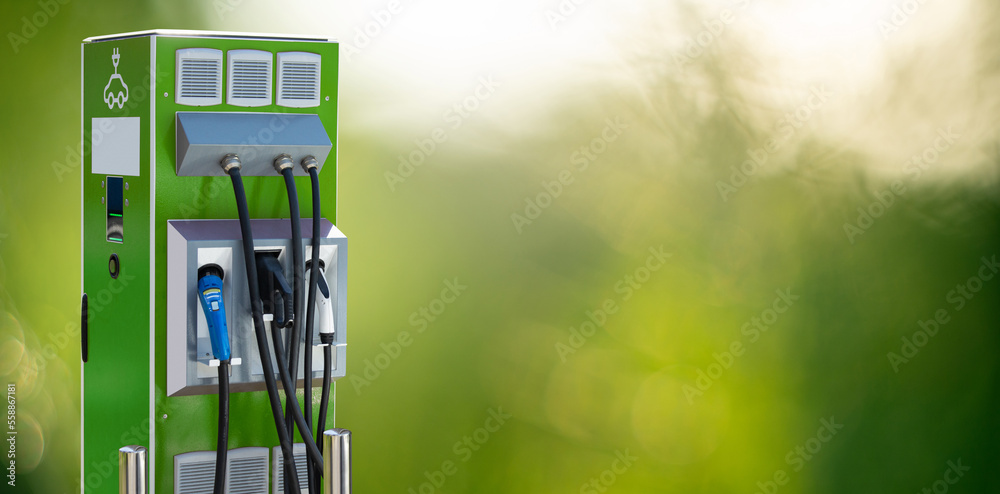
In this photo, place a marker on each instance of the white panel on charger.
(114, 146)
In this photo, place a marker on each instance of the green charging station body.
(159, 111)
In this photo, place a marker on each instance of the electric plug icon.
(111, 97)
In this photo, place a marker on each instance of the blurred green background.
(753, 353)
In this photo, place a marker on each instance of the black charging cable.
(311, 166)
(325, 399)
(231, 164)
(283, 164)
(222, 442)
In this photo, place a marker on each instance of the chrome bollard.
(337, 461)
(132, 470)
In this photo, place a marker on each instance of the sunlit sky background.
(854, 47)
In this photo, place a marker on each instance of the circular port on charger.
(114, 266)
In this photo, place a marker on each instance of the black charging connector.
(276, 293)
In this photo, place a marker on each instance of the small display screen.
(114, 199)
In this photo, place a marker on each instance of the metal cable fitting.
(230, 161)
(309, 162)
(283, 162)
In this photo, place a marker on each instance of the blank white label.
(114, 145)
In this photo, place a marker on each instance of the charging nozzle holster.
(275, 292)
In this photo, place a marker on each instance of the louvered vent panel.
(298, 79)
(194, 473)
(199, 77)
(249, 78)
(247, 471)
(301, 457)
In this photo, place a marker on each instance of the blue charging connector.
(210, 294)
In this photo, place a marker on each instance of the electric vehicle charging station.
(176, 312)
